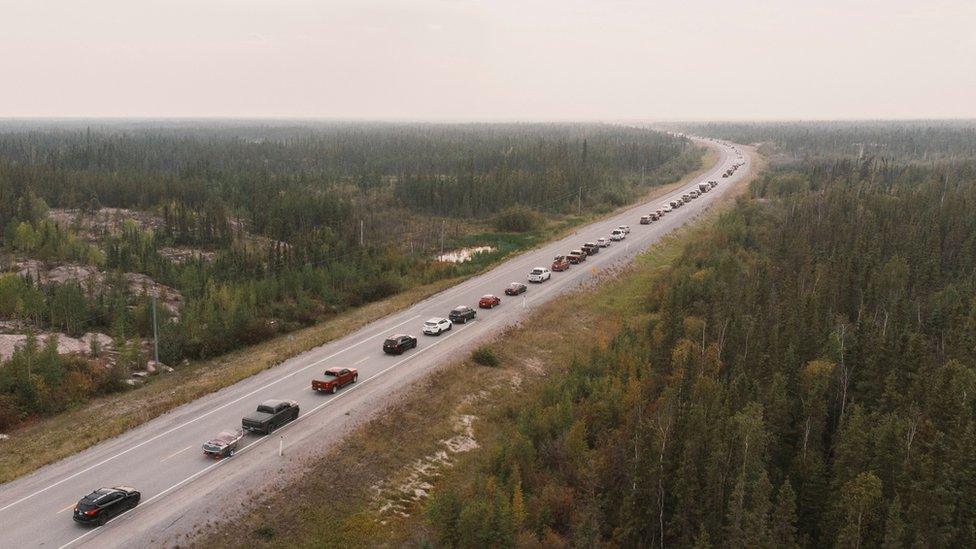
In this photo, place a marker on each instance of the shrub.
(517, 219)
(485, 357)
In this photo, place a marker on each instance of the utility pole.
(155, 331)
(642, 175)
(443, 222)
(579, 202)
(361, 232)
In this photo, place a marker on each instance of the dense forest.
(282, 224)
(806, 378)
(916, 141)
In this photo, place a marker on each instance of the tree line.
(806, 378)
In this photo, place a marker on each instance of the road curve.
(162, 458)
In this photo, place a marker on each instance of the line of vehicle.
(195, 419)
(247, 447)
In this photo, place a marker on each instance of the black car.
(591, 248)
(395, 345)
(462, 314)
(104, 504)
(270, 415)
(515, 288)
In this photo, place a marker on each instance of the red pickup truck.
(335, 379)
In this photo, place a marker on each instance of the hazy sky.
(524, 60)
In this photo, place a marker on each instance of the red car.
(560, 263)
(335, 379)
(489, 301)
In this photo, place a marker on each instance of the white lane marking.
(286, 426)
(360, 361)
(72, 506)
(175, 454)
(198, 418)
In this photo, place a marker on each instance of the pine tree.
(783, 522)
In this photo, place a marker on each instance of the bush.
(485, 357)
(517, 219)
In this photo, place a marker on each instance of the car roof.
(397, 336)
(273, 403)
(335, 369)
(487, 295)
(435, 320)
(461, 308)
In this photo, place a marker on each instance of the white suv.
(437, 326)
(540, 274)
(617, 234)
(624, 228)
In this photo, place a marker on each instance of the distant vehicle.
(223, 445)
(693, 194)
(270, 415)
(397, 344)
(539, 274)
(560, 263)
(624, 228)
(674, 204)
(660, 213)
(703, 187)
(334, 379)
(515, 288)
(105, 504)
(591, 248)
(686, 198)
(617, 234)
(461, 314)
(489, 301)
(713, 184)
(645, 220)
(602, 242)
(436, 326)
(576, 257)
(668, 207)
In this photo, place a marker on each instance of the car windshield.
(430, 323)
(390, 342)
(331, 374)
(536, 271)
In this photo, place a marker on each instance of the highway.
(181, 488)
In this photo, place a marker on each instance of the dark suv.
(395, 345)
(462, 314)
(104, 504)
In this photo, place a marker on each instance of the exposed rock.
(66, 344)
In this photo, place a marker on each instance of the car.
(602, 242)
(397, 344)
(617, 234)
(674, 204)
(686, 198)
(624, 228)
(540, 274)
(713, 184)
(667, 207)
(461, 314)
(489, 301)
(436, 326)
(104, 504)
(576, 257)
(560, 263)
(334, 379)
(591, 248)
(270, 415)
(515, 288)
(660, 213)
(655, 215)
(693, 194)
(223, 445)
(645, 220)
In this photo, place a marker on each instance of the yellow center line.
(176, 454)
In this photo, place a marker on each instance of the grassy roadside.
(393, 461)
(47, 440)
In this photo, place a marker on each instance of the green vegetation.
(484, 356)
(801, 376)
(289, 224)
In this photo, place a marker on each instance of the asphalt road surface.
(163, 458)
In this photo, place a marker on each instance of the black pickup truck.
(270, 415)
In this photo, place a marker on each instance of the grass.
(47, 440)
(304, 514)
